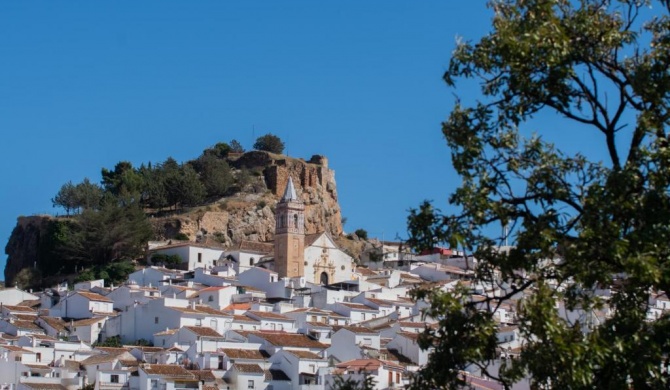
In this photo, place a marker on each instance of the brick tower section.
(290, 234)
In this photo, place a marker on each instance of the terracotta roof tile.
(269, 315)
(306, 355)
(23, 309)
(244, 353)
(167, 370)
(20, 324)
(257, 247)
(281, 339)
(356, 329)
(204, 331)
(248, 368)
(94, 296)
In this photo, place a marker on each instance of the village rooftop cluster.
(288, 315)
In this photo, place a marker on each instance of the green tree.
(88, 195)
(269, 143)
(124, 182)
(182, 184)
(220, 150)
(361, 233)
(74, 198)
(114, 233)
(215, 175)
(154, 191)
(576, 223)
(236, 146)
(66, 198)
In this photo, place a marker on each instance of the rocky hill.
(247, 215)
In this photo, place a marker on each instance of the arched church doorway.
(324, 278)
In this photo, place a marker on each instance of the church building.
(315, 257)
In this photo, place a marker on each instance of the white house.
(82, 304)
(349, 342)
(166, 377)
(193, 255)
(302, 367)
(406, 344)
(14, 296)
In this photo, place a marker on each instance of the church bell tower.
(290, 234)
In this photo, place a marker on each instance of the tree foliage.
(74, 198)
(361, 233)
(269, 143)
(215, 174)
(236, 146)
(578, 224)
(98, 237)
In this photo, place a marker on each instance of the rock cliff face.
(248, 215)
(24, 245)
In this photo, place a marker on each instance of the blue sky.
(84, 85)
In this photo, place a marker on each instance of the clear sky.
(84, 85)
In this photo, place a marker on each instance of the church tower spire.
(290, 234)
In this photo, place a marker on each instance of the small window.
(211, 298)
(251, 261)
(250, 384)
(155, 320)
(199, 257)
(114, 378)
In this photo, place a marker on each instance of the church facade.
(315, 257)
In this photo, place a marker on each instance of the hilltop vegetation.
(222, 197)
(107, 226)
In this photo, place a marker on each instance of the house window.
(363, 316)
(114, 378)
(313, 318)
(198, 322)
(99, 325)
(155, 320)
(199, 257)
(251, 261)
(211, 298)
(250, 384)
(312, 368)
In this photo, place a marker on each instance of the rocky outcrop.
(250, 216)
(24, 246)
